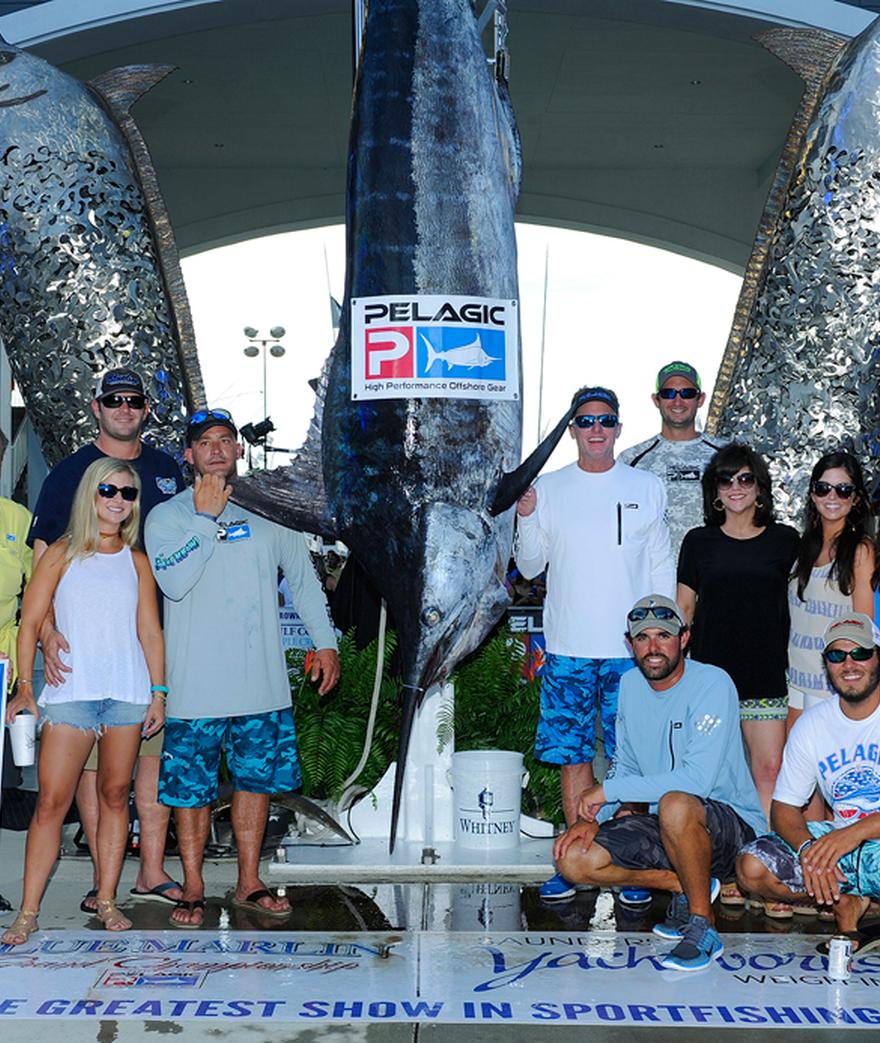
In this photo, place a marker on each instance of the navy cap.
(120, 379)
(596, 394)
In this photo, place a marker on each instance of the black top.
(160, 478)
(741, 621)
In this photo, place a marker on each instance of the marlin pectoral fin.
(296, 802)
(292, 496)
(514, 483)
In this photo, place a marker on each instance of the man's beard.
(866, 688)
(664, 670)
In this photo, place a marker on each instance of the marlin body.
(418, 487)
(89, 275)
(805, 380)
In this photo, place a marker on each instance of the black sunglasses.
(745, 480)
(606, 420)
(838, 655)
(670, 393)
(108, 491)
(115, 401)
(636, 615)
(201, 415)
(843, 489)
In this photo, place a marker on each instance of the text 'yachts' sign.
(434, 347)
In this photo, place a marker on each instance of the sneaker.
(678, 913)
(700, 944)
(635, 896)
(556, 889)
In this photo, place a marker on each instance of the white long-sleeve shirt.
(605, 543)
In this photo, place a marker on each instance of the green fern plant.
(330, 729)
(495, 708)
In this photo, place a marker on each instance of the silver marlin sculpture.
(418, 487)
(804, 379)
(89, 274)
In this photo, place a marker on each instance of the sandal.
(110, 915)
(772, 909)
(195, 905)
(22, 927)
(731, 894)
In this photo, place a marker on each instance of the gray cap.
(854, 626)
(654, 611)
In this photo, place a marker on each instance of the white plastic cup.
(23, 735)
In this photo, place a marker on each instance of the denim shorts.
(94, 715)
(260, 751)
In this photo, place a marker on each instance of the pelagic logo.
(433, 346)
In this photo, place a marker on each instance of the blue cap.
(596, 394)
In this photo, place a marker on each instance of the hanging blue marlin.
(89, 275)
(420, 488)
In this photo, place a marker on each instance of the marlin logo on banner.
(434, 347)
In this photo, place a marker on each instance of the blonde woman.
(104, 598)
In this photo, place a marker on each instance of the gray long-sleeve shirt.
(222, 633)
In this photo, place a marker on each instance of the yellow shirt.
(16, 559)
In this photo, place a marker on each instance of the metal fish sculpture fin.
(515, 483)
(811, 53)
(119, 89)
(294, 495)
(804, 380)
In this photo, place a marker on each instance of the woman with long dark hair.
(732, 586)
(834, 572)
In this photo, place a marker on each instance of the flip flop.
(159, 893)
(87, 908)
(190, 907)
(252, 904)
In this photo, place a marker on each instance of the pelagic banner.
(410, 346)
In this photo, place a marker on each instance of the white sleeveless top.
(96, 610)
(823, 603)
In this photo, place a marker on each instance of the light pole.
(276, 350)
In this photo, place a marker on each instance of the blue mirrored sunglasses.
(606, 420)
(670, 393)
(201, 415)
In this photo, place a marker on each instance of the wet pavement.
(441, 928)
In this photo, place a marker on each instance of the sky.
(616, 312)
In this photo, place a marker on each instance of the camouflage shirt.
(680, 466)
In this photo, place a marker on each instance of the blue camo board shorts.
(571, 690)
(260, 753)
(861, 867)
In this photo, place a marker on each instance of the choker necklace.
(107, 535)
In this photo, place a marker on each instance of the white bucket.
(487, 788)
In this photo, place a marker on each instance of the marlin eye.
(431, 617)
(6, 57)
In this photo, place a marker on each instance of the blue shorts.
(571, 689)
(260, 754)
(861, 866)
(95, 715)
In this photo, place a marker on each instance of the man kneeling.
(679, 749)
(833, 746)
